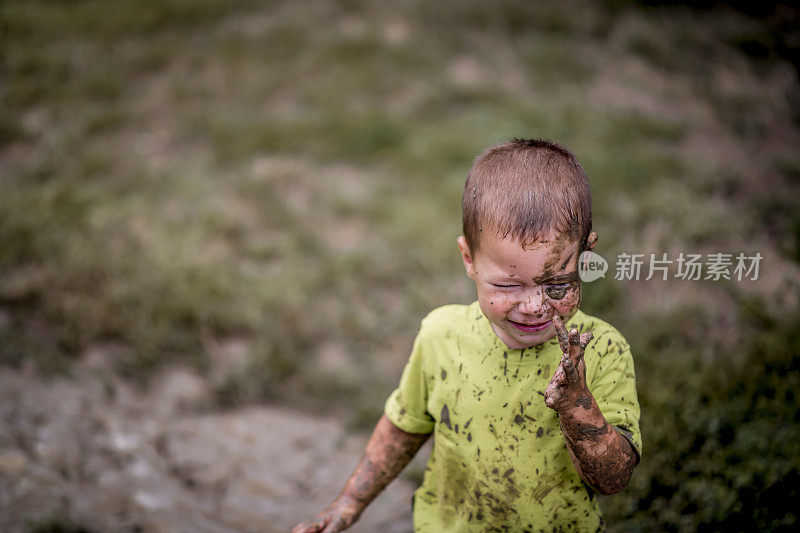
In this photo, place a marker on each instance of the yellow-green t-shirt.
(499, 460)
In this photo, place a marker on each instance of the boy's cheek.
(496, 302)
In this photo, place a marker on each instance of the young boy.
(532, 403)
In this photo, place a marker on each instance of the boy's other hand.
(568, 388)
(337, 517)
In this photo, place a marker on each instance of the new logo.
(591, 266)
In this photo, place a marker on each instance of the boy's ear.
(591, 240)
(466, 256)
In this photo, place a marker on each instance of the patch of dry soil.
(94, 450)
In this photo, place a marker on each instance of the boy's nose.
(532, 302)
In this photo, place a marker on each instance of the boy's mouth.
(531, 328)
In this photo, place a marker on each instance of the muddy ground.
(95, 452)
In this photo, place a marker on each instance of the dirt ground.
(95, 452)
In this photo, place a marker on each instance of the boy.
(532, 403)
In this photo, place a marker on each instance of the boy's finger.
(335, 526)
(556, 383)
(585, 339)
(574, 345)
(569, 368)
(561, 331)
(559, 374)
(549, 397)
(574, 339)
(550, 393)
(320, 524)
(307, 527)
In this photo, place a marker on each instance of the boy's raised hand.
(568, 387)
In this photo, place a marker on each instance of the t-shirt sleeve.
(407, 407)
(614, 388)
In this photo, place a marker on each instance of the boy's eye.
(557, 292)
(501, 286)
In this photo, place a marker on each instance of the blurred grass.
(177, 174)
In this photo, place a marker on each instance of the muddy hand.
(568, 384)
(324, 523)
(335, 518)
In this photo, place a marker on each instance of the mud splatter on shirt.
(508, 468)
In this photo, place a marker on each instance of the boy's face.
(521, 289)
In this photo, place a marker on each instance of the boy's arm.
(603, 458)
(388, 451)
